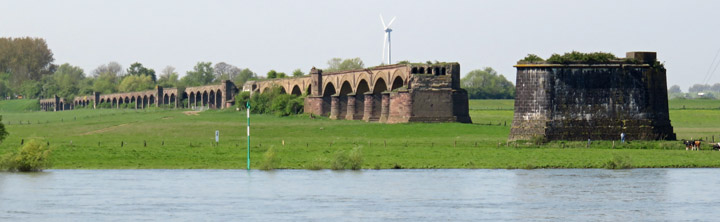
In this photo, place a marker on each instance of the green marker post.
(247, 105)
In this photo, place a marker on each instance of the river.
(368, 195)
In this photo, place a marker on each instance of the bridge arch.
(296, 91)
(328, 91)
(397, 83)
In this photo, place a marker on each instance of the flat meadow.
(183, 139)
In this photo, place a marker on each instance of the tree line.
(695, 91)
(27, 71)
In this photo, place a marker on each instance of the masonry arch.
(114, 103)
(204, 98)
(191, 100)
(282, 90)
(296, 91)
(308, 90)
(211, 99)
(362, 88)
(166, 99)
(328, 91)
(152, 100)
(198, 99)
(345, 89)
(121, 103)
(172, 100)
(397, 83)
(378, 89)
(218, 100)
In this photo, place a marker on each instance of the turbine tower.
(386, 43)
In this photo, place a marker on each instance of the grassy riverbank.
(179, 139)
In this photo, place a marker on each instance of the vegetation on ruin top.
(576, 57)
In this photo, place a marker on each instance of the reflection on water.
(408, 195)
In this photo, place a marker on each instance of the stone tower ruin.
(597, 101)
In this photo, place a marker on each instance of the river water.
(369, 195)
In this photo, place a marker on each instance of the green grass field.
(157, 138)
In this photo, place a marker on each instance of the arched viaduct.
(391, 93)
(210, 96)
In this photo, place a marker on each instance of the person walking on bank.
(622, 137)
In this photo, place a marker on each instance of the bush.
(316, 164)
(3, 132)
(274, 101)
(579, 57)
(270, 160)
(340, 161)
(241, 99)
(355, 159)
(31, 157)
(619, 162)
(531, 58)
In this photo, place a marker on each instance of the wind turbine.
(387, 39)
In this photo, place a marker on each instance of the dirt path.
(191, 113)
(104, 129)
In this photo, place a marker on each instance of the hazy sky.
(285, 35)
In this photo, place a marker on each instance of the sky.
(286, 35)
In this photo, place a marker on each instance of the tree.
(133, 83)
(202, 74)
(139, 70)
(106, 78)
(698, 88)
(31, 89)
(675, 89)
(487, 84)
(337, 64)
(113, 68)
(224, 71)
(244, 76)
(272, 74)
(168, 77)
(67, 79)
(25, 59)
(281, 75)
(298, 72)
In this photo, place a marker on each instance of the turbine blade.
(391, 21)
(383, 22)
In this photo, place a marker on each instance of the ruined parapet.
(599, 101)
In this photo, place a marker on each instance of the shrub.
(619, 162)
(531, 58)
(538, 140)
(275, 101)
(279, 103)
(340, 161)
(579, 57)
(355, 159)
(316, 164)
(33, 156)
(270, 160)
(241, 99)
(3, 132)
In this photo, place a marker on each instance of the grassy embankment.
(175, 139)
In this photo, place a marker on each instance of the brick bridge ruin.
(210, 96)
(389, 94)
(592, 101)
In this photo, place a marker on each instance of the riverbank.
(175, 139)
